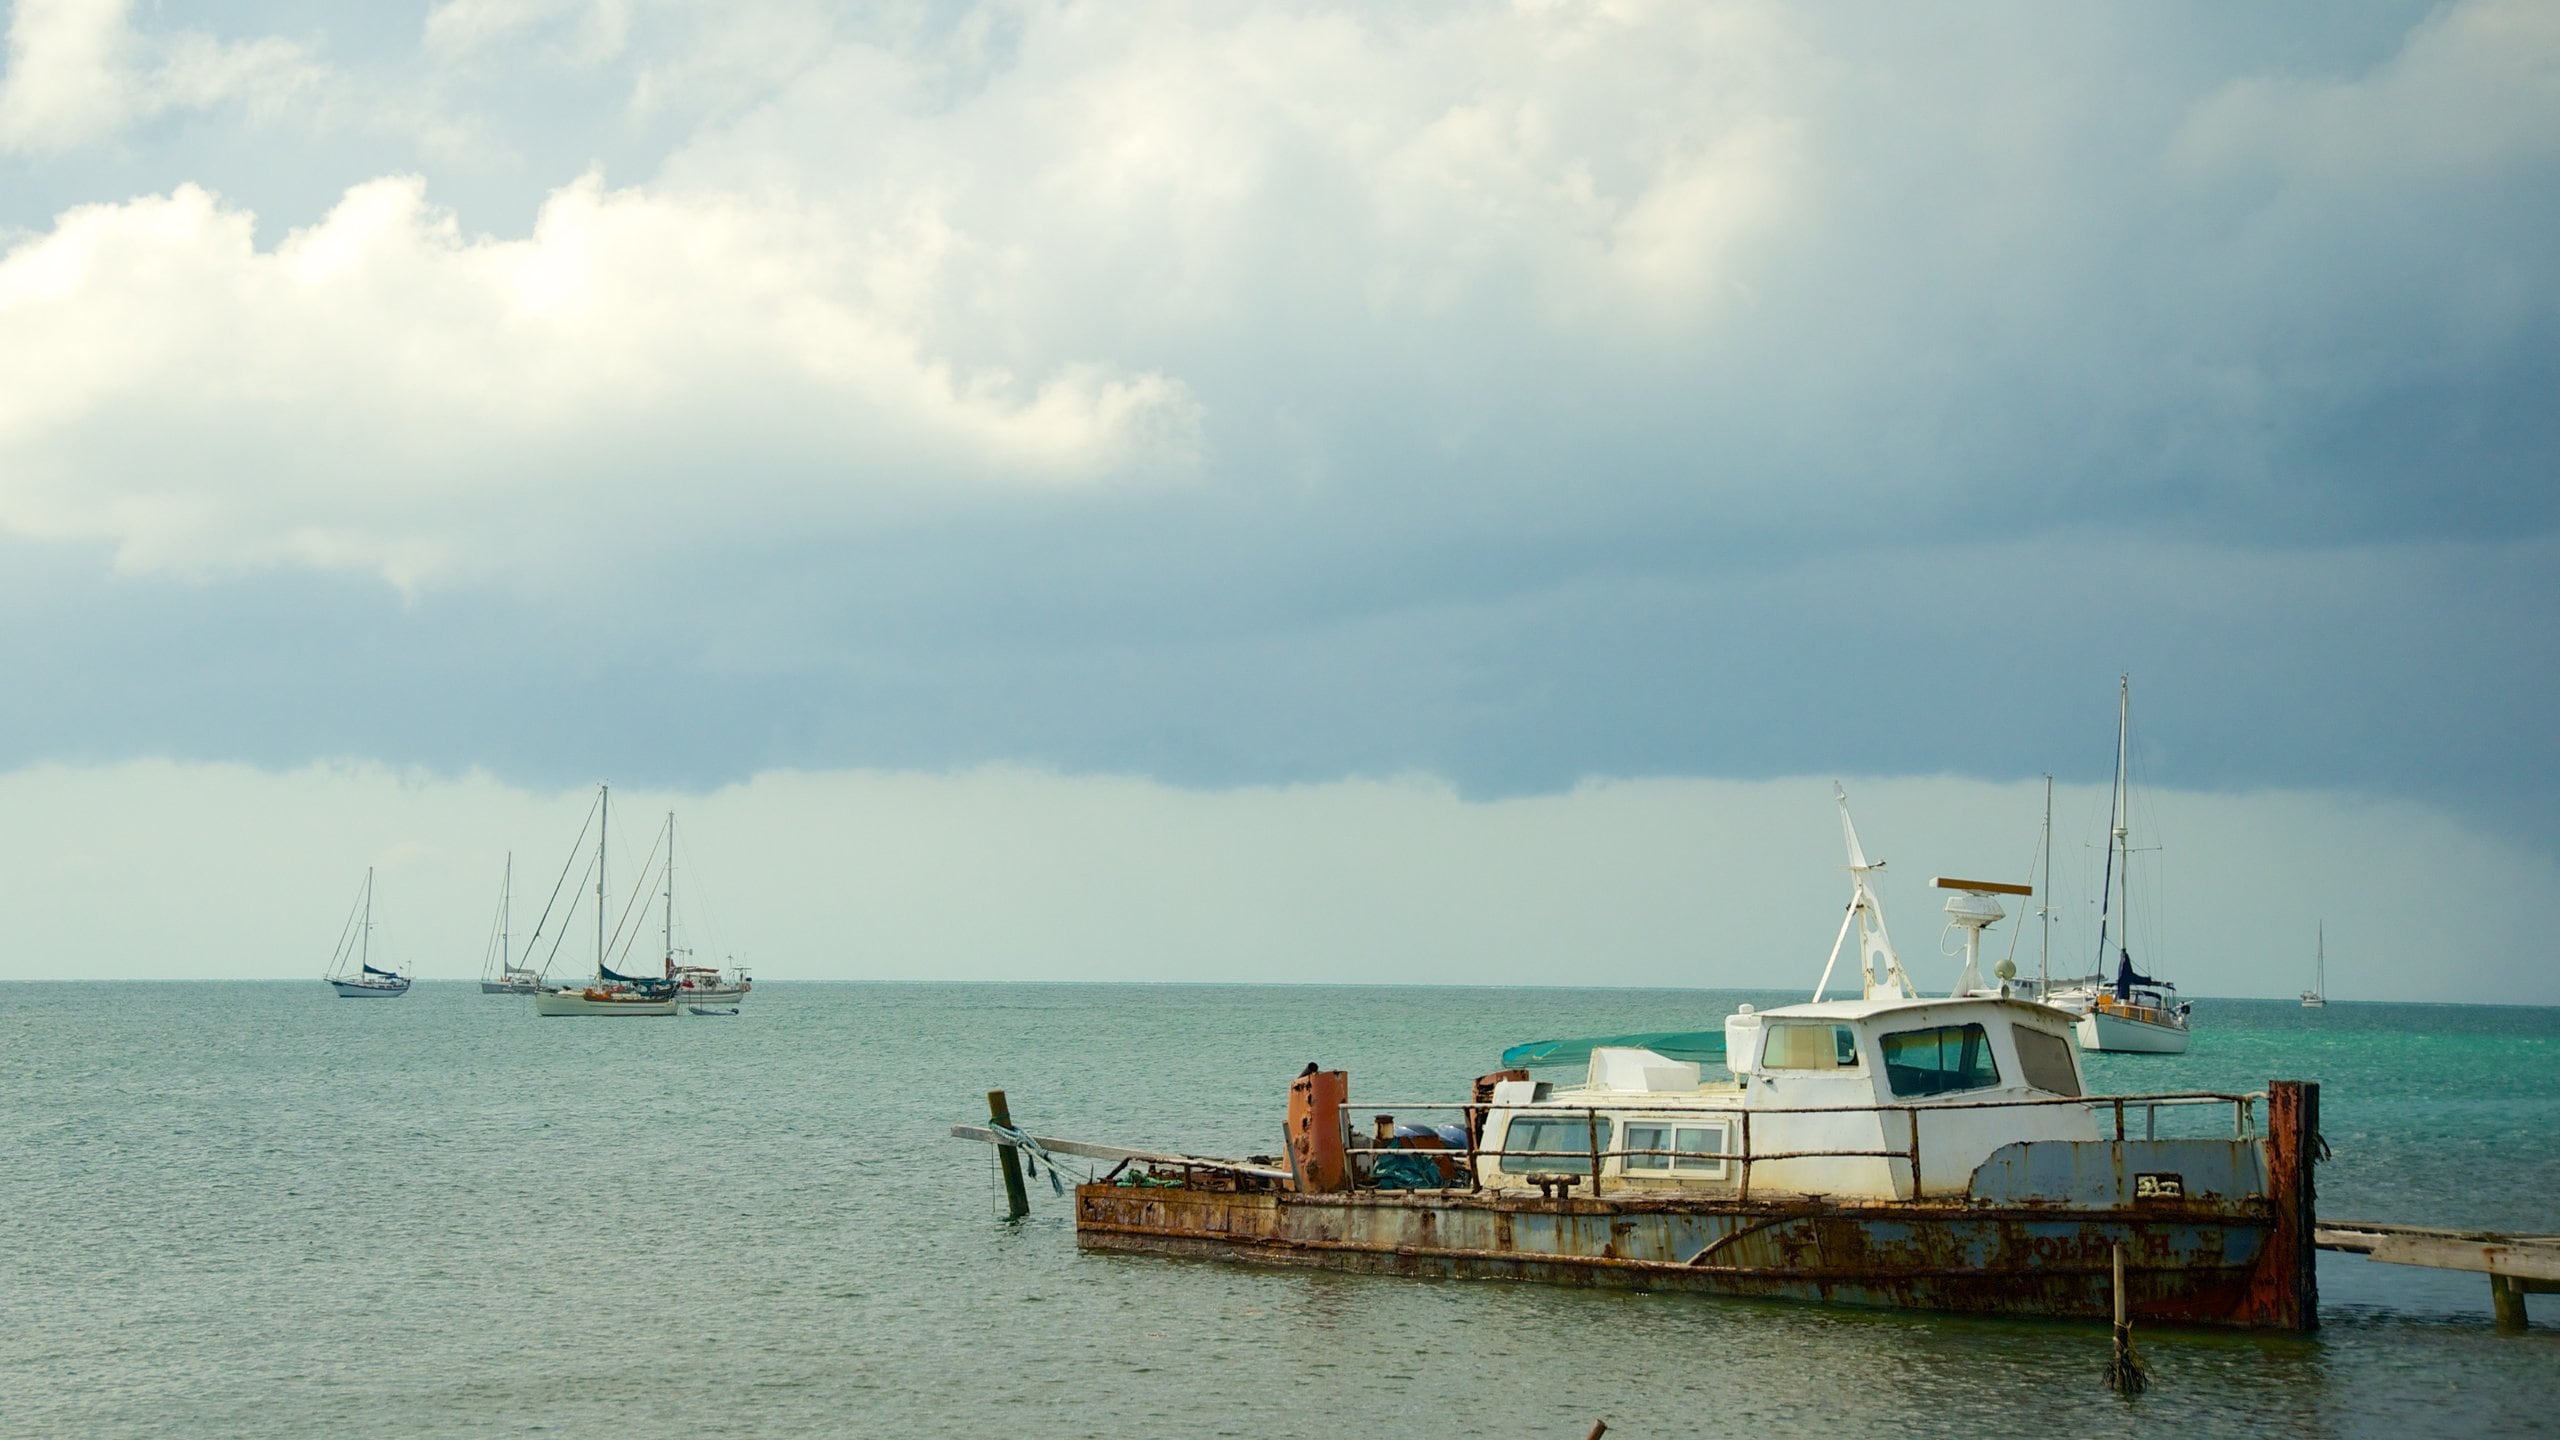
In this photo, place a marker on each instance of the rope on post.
(2125, 1374)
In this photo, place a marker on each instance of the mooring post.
(2124, 1368)
(2506, 1302)
(2284, 1287)
(1017, 1203)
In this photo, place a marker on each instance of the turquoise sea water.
(256, 1209)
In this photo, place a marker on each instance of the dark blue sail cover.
(2127, 977)
(385, 974)
(645, 984)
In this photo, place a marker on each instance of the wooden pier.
(2517, 1265)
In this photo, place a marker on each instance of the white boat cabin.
(1887, 1096)
(1834, 1093)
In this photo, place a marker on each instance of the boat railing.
(1590, 1162)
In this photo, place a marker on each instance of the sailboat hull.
(507, 987)
(2125, 1034)
(598, 1002)
(357, 990)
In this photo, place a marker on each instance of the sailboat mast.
(507, 916)
(671, 893)
(2044, 910)
(2107, 879)
(364, 943)
(604, 801)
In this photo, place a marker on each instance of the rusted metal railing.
(1592, 1160)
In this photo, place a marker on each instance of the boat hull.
(2186, 1265)
(2210, 1232)
(501, 987)
(2124, 1034)
(353, 990)
(575, 1002)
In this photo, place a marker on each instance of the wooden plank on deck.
(1087, 1150)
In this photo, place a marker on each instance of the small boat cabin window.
(1551, 1142)
(1939, 1061)
(2046, 1062)
(1794, 1045)
(1701, 1149)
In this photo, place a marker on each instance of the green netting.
(1703, 1046)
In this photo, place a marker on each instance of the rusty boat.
(1880, 1148)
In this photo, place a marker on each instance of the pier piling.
(1017, 1202)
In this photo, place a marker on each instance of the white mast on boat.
(1886, 981)
(671, 894)
(2044, 910)
(2109, 881)
(364, 941)
(604, 799)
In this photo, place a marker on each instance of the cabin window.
(1701, 1149)
(1939, 1061)
(1809, 1047)
(2044, 1061)
(1560, 1142)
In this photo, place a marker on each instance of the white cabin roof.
(1853, 1010)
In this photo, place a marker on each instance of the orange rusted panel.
(1315, 1131)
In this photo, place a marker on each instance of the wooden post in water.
(2284, 1286)
(2124, 1369)
(2506, 1302)
(1017, 1203)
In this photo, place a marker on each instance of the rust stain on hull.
(2186, 1264)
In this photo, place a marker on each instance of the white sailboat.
(351, 968)
(2135, 1013)
(2317, 997)
(704, 989)
(499, 973)
(608, 993)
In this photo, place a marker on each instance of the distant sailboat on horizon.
(365, 981)
(609, 992)
(2317, 997)
(499, 972)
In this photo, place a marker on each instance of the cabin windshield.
(1939, 1060)
(1795, 1045)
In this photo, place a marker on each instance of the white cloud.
(79, 74)
(596, 30)
(381, 391)
(2475, 90)
(1009, 874)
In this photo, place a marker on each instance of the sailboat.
(2317, 997)
(2135, 1013)
(351, 967)
(609, 992)
(705, 989)
(499, 974)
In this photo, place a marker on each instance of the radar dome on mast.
(1975, 908)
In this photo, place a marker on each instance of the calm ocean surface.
(256, 1209)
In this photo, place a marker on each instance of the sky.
(1282, 491)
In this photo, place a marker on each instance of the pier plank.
(2530, 1258)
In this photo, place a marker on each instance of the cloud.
(381, 392)
(79, 74)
